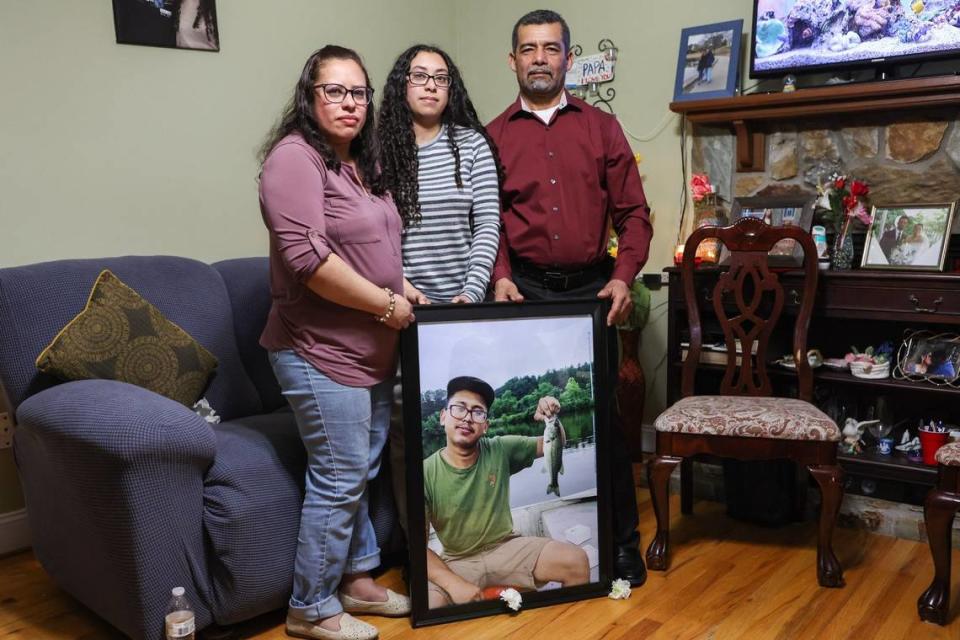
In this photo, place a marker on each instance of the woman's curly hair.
(298, 116)
(398, 143)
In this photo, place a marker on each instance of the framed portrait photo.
(506, 413)
(177, 24)
(777, 212)
(928, 356)
(708, 65)
(909, 237)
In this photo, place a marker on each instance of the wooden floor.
(726, 580)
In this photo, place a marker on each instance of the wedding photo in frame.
(778, 211)
(912, 237)
(928, 356)
(708, 64)
(506, 412)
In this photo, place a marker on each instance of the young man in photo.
(467, 494)
(569, 175)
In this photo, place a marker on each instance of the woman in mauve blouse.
(332, 332)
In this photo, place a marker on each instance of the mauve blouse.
(312, 211)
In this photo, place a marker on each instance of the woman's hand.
(412, 294)
(461, 299)
(402, 314)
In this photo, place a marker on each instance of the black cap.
(469, 383)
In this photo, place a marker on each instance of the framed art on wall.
(708, 64)
(506, 412)
(780, 211)
(909, 237)
(179, 24)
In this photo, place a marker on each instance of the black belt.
(559, 278)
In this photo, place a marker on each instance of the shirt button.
(555, 209)
(553, 181)
(556, 236)
(549, 154)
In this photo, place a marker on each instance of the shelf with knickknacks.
(842, 208)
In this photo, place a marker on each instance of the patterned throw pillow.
(121, 336)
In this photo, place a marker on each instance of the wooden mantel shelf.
(744, 113)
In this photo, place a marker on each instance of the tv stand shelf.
(746, 113)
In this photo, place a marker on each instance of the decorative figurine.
(852, 432)
(789, 83)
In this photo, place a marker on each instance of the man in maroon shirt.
(569, 175)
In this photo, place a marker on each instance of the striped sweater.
(442, 256)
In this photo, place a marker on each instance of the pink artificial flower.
(700, 186)
(860, 213)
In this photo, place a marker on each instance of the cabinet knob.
(794, 296)
(919, 309)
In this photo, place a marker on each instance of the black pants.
(625, 515)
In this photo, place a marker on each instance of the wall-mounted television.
(802, 36)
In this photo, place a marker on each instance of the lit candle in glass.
(678, 255)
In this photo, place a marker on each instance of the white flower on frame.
(513, 598)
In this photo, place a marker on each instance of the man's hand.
(506, 291)
(461, 591)
(619, 294)
(412, 294)
(547, 406)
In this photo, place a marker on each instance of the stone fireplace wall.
(905, 158)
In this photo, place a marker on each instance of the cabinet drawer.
(922, 303)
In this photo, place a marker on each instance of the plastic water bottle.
(180, 622)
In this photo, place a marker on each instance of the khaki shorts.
(509, 564)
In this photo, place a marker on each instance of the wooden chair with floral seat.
(939, 510)
(745, 422)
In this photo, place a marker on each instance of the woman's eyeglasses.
(420, 78)
(338, 93)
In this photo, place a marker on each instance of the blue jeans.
(344, 430)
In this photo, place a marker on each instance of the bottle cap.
(178, 591)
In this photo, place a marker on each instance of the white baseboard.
(14, 531)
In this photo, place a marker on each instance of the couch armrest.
(113, 479)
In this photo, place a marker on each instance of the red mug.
(930, 442)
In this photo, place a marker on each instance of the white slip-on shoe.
(396, 605)
(350, 629)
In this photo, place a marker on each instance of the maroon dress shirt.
(565, 183)
(312, 211)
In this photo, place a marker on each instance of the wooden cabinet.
(852, 308)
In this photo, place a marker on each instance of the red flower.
(840, 182)
(849, 203)
(859, 189)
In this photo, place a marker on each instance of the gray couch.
(129, 493)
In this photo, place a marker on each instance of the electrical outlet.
(664, 277)
(6, 431)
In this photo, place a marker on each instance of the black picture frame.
(690, 82)
(776, 211)
(507, 344)
(928, 356)
(171, 24)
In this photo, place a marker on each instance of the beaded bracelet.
(390, 307)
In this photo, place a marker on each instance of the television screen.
(791, 36)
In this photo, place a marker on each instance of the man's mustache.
(546, 70)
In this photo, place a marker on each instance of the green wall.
(115, 149)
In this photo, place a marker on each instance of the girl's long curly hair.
(397, 140)
(298, 117)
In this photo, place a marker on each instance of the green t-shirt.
(470, 508)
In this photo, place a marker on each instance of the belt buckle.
(556, 280)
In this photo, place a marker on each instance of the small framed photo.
(506, 414)
(708, 65)
(178, 24)
(777, 212)
(909, 236)
(931, 357)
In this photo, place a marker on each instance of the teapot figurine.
(852, 432)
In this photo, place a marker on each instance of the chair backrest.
(748, 301)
